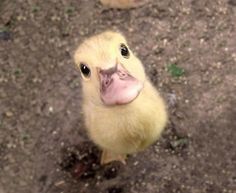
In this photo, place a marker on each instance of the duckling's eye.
(124, 50)
(85, 70)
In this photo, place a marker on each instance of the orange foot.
(123, 4)
(108, 157)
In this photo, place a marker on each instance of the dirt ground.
(42, 135)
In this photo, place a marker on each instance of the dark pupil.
(84, 69)
(124, 50)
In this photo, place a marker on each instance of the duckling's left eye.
(85, 70)
(124, 50)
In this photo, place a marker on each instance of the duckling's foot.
(108, 157)
(123, 4)
(137, 3)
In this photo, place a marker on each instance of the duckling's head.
(111, 73)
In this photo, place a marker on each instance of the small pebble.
(50, 109)
(186, 101)
(9, 114)
(54, 132)
(57, 184)
(136, 163)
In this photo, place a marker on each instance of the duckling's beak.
(118, 86)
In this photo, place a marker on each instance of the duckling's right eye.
(124, 51)
(85, 70)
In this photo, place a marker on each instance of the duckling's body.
(121, 125)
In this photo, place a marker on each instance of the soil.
(43, 144)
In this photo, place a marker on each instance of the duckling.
(123, 111)
(123, 4)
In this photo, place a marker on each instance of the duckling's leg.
(108, 156)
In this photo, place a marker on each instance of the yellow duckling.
(123, 112)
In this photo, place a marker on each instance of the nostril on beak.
(107, 82)
(122, 75)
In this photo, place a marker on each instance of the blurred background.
(188, 49)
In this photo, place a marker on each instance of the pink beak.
(117, 86)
